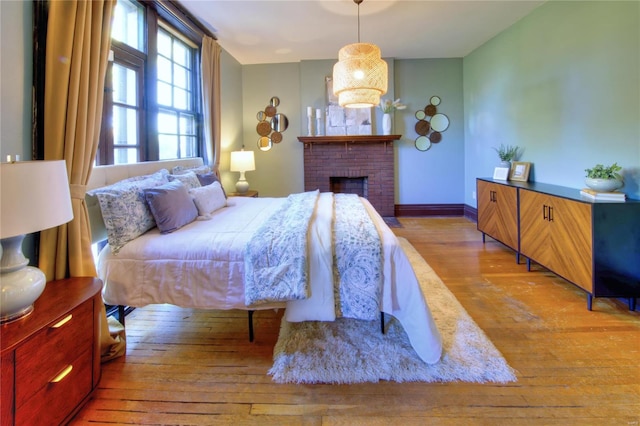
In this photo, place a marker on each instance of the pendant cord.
(358, 22)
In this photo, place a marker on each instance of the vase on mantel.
(386, 124)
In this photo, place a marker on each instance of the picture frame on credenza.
(520, 171)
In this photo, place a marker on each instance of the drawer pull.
(64, 373)
(63, 321)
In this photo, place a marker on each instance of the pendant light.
(360, 75)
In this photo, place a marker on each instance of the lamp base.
(20, 285)
(16, 316)
(19, 290)
(242, 185)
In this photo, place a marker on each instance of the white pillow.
(208, 198)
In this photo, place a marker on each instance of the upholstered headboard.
(107, 175)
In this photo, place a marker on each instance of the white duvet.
(202, 266)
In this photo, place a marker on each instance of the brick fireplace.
(362, 165)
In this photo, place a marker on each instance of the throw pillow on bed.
(208, 179)
(171, 206)
(208, 198)
(178, 170)
(124, 210)
(189, 179)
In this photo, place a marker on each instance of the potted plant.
(507, 153)
(604, 179)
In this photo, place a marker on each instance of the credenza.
(594, 245)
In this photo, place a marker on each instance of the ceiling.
(280, 31)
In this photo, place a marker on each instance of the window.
(152, 102)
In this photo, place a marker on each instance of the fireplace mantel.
(348, 139)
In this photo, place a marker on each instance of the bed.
(227, 259)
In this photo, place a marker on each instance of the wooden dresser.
(51, 358)
(594, 245)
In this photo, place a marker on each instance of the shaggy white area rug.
(355, 351)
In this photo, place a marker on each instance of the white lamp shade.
(360, 76)
(242, 161)
(34, 195)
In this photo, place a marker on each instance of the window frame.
(170, 12)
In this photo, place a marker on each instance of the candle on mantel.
(309, 112)
(318, 113)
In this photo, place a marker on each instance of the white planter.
(603, 185)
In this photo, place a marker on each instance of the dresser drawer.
(54, 401)
(52, 349)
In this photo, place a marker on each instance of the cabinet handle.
(550, 214)
(545, 216)
(64, 373)
(492, 196)
(63, 321)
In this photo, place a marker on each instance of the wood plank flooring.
(574, 367)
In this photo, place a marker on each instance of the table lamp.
(34, 195)
(242, 161)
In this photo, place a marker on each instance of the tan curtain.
(210, 68)
(78, 43)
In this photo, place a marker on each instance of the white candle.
(309, 112)
(318, 113)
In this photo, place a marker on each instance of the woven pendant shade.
(359, 76)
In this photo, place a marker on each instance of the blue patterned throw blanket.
(275, 266)
(357, 260)
(276, 258)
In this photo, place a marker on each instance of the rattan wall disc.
(263, 128)
(422, 127)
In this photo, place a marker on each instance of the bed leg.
(382, 322)
(121, 314)
(250, 314)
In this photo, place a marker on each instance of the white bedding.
(202, 266)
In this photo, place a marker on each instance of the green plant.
(507, 152)
(602, 172)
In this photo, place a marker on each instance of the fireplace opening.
(350, 185)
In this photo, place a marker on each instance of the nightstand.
(51, 358)
(249, 193)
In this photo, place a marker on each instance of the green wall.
(563, 84)
(15, 78)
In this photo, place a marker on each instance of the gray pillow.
(171, 205)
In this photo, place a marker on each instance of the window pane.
(168, 147)
(180, 98)
(125, 126)
(124, 85)
(128, 24)
(125, 155)
(180, 77)
(181, 53)
(167, 122)
(164, 69)
(187, 125)
(164, 94)
(164, 43)
(188, 146)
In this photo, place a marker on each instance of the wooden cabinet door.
(497, 212)
(571, 238)
(535, 240)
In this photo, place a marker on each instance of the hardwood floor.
(574, 367)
